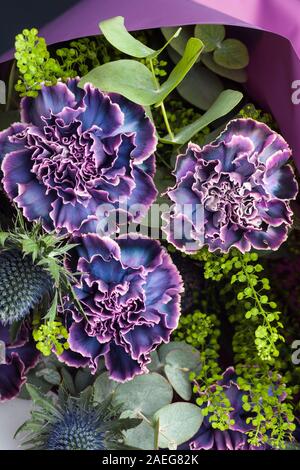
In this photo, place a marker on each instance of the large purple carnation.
(18, 358)
(77, 156)
(129, 290)
(241, 187)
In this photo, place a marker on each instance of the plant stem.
(162, 106)
(10, 85)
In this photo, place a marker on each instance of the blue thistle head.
(77, 429)
(23, 285)
(74, 423)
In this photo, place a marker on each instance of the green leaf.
(185, 359)
(179, 364)
(179, 379)
(178, 423)
(116, 34)
(211, 35)
(49, 375)
(40, 400)
(239, 75)
(225, 103)
(200, 87)
(104, 387)
(172, 346)
(144, 394)
(155, 364)
(127, 77)
(135, 81)
(192, 51)
(68, 382)
(38, 382)
(232, 54)
(3, 237)
(30, 247)
(141, 437)
(178, 43)
(51, 314)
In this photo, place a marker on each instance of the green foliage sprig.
(256, 345)
(202, 331)
(35, 64)
(252, 292)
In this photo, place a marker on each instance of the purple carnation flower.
(16, 359)
(129, 290)
(77, 156)
(234, 192)
(234, 438)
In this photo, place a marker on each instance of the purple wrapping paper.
(275, 52)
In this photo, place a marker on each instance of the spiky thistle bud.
(23, 284)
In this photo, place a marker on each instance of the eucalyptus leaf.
(225, 103)
(239, 76)
(172, 346)
(178, 43)
(51, 376)
(155, 363)
(144, 394)
(179, 364)
(135, 81)
(184, 358)
(232, 54)
(116, 34)
(200, 87)
(178, 423)
(211, 35)
(127, 77)
(104, 387)
(179, 379)
(39, 382)
(141, 437)
(192, 51)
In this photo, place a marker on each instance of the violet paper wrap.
(274, 48)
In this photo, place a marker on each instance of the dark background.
(19, 14)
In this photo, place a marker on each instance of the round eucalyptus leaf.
(173, 345)
(50, 375)
(200, 87)
(211, 35)
(179, 379)
(141, 437)
(184, 359)
(144, 394)
(103, 387)
(178, 423)
(239, 76)
(155, 364)
(232, 54)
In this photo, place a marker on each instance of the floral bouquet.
(149, 251)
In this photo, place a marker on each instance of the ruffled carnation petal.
(244, 187)
(86, 155)
(123, 322)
